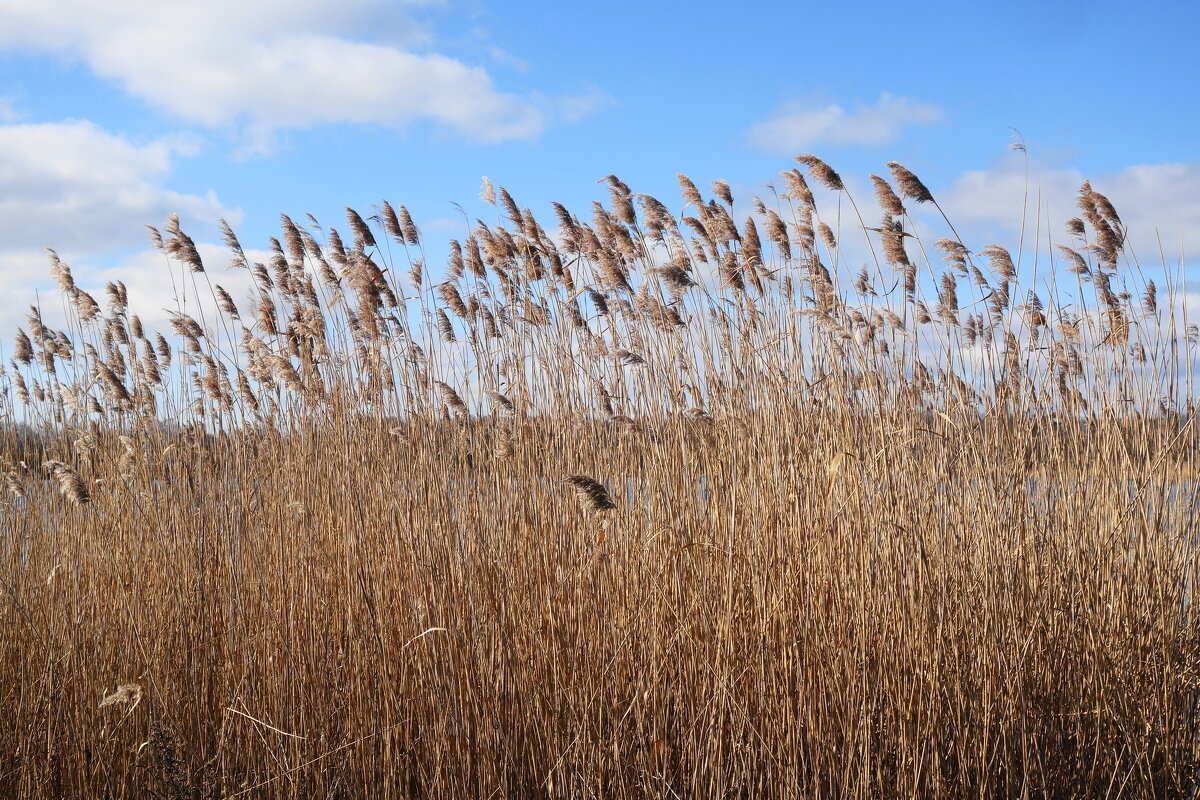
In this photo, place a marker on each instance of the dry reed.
(923, 535)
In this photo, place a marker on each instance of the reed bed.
(652, 505)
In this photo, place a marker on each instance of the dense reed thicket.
(652, 506)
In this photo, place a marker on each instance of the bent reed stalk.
(655, 505)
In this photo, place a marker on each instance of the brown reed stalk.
(891, 542)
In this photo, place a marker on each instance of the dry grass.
(656, 507)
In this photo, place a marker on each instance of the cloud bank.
(269, 65)
(73, 185)
(86, 193)
(1155, 201)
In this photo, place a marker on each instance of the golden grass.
(659, 507)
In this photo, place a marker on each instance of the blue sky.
(112, 116)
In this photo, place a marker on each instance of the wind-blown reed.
(734, 502)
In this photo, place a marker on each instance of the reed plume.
(590, 493)
(918, 533)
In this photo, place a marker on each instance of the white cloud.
(8, 110)
(75, 186)
(157, 287)
(507, 59)
(1153, 200)
(577, 106)
(25, 273)
(797, 126)
(272, 64)
(87, 193)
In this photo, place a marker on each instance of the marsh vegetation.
(643, 505)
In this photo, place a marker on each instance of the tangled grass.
(656, 506)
